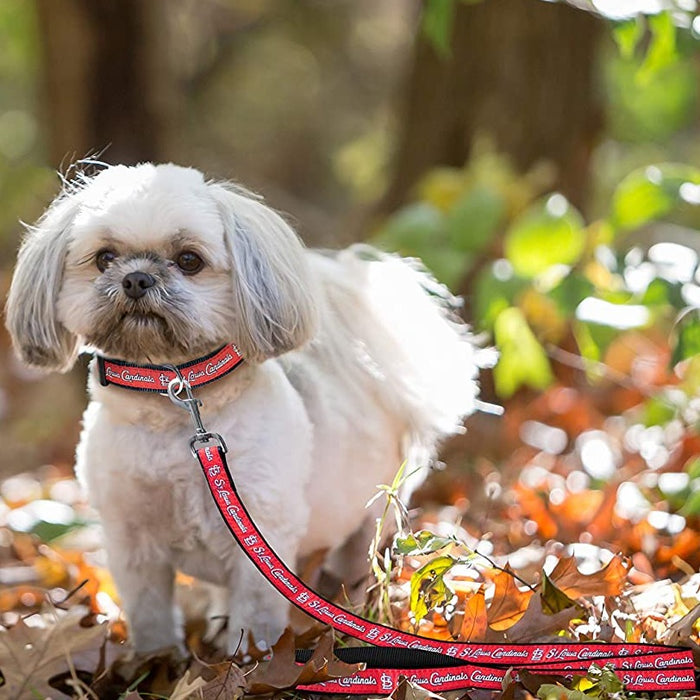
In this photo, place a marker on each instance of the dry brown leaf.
(282, 671)
(188, 685)
(229, 683)
(608, 581)
(680, 632)
(509, 602)
(406, 690)
(31, 656)
(474, 623)
(536, 624)
(156, 671)
(222, 681)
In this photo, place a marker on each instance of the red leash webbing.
(643, 667)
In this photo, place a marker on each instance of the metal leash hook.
(191, 404)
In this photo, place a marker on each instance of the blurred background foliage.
(542, 158)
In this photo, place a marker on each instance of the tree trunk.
(106, 87)
(521, 71)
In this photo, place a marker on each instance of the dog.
(353, 362)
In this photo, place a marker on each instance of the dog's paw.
(257, 636)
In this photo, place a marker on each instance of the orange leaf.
(534, 506)
(601, 524)
(608, 581)
(474, 623)
(509, 602)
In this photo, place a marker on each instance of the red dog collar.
(156, 378)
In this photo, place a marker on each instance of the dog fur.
(354, 363)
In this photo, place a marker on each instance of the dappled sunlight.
(605, 313)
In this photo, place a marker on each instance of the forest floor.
(528, 559)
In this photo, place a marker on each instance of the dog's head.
(155, 264)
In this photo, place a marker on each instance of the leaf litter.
(63, 633)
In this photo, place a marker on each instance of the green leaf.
(436, 24)
(423, 542)
(447, 265)
(692, 505)
(687, 337)
(473, 220)
(418, 230)
(593, 340)
(522, 359)
(655, 112)
(658, 411)
(661, 292)
(550, 232)
(692, 468)
(554, 691)
(627, 36)
(428, 587)
(412, 229)
(494, 293)
(608, 683)
(570, 292)
(651, 192)
(662, 51)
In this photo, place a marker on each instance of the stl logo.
(387, 681)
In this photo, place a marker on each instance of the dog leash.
(436, 665)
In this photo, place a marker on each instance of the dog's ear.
(272, 287)
(31, 317)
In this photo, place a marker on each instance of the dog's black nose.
(136, 283)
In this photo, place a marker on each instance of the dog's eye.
(190, 263)
(104, 259)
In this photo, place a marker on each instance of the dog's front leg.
(144, 577)
(256, 610)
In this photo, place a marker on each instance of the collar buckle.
(191, 404)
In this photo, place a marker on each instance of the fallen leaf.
(229, 684)
(189, 684)
(222, 681)
(681, 630)
(474, 623)
(30, 656)
(406, 690)
(282, 671)
(156, 672)
(535, 623)
(554, 691)
(608, 581)
(509, 602)
(553, 598)
(600, 526)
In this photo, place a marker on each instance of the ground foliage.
(504, 572)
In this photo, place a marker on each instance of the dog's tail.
(422, 357)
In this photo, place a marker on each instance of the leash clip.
(191, 404)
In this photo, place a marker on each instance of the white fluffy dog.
(353, 363)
